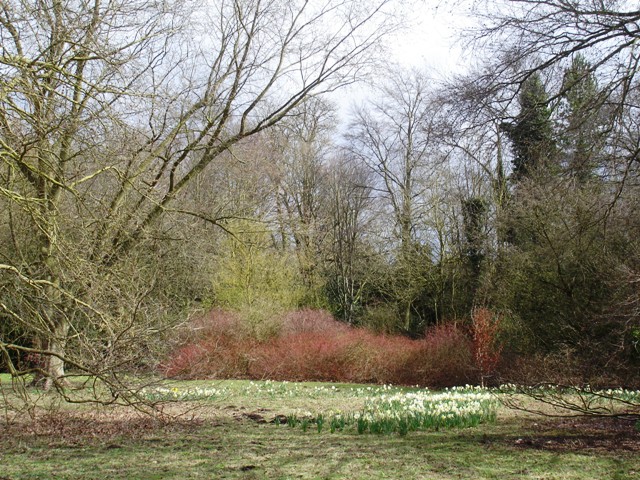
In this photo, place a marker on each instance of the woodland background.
(178, 196)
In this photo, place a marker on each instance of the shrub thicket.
(312, 346)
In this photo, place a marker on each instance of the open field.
(233, 433)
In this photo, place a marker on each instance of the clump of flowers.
(424, 410)
(163, 394)
(404, 412)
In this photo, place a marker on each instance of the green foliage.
(382, 318)
(411, 287)
(474, 249)
(256, 279)
(249, 271)
(580, 87)
(474, 211)
(531, 134)
(582, 138)
(559, 277)
(350, 277)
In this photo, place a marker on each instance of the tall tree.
(474, 212)
(540, 34)
(569, 238)
(346, 270)
(393, 135)
(582, 137)
(531, 133)
(300, 177)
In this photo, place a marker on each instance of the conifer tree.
(581, 112)
(531, 133)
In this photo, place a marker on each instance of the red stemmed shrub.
(486, 349)
(446, 357)
(312, 346)
(214, 346)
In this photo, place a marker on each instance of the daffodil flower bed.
(386, 409)
(406, 412)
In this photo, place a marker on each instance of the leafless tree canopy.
(109, 112)
(536, 35)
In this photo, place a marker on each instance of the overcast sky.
(430, 43)
(430, 40)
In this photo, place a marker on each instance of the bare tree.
(109, 112)
(300, 177)
(395, 136)
(539, 34)
(517, 39)
(350, 205)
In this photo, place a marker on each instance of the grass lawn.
(232, 435)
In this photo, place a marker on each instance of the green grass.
(227, 443)
(231, 450)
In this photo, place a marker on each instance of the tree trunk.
(53, 311)
(57, 344)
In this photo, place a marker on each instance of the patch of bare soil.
(582, 434)
(66, 429)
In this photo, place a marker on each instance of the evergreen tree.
(531, 134)
(474, 211)
(581, 140)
